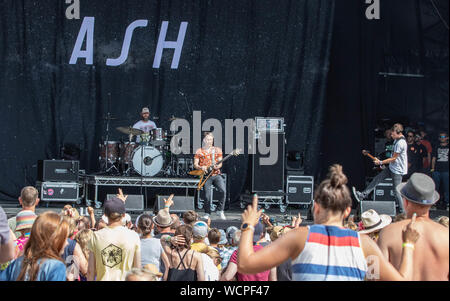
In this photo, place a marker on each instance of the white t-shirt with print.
(400, 165)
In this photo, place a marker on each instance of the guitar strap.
(213, 156)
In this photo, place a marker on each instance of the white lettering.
(163, 44)
(87, 29)
(126, 43)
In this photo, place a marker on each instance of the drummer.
(145, 125)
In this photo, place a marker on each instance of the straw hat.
(163, 219)
(372, 221)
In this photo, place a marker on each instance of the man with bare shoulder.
(431, 259)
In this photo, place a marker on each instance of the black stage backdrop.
(240, 59)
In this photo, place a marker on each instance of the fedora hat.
(372, 221)
(163, 219)
(419, 189)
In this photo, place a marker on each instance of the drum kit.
(149, 156)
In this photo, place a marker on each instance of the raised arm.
(288, 246)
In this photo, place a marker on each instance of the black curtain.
(240, 59)
(410, 43)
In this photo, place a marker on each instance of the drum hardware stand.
(108, 119)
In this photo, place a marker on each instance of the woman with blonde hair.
(82, 238)
(325, 250)
(42, 255)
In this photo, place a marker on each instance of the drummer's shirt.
(145, 126)
(205, 157)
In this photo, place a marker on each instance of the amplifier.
(58, 170)
(59, 191)
(134, 202)
(380, 207)
(299, 189)
(384, 191)
(181, 204)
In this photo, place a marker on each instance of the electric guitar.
(366, 153)
(210, 170)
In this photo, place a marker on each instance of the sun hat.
(419, 189)
(163, 219)
(25, 220)
(371, 221)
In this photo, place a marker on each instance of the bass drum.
(147, 161)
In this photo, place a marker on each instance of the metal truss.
(142, 181)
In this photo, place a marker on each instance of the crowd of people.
(65, 246)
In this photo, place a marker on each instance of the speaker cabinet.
(269, 178)
(180, 203)
(381, 207)
(58, 171)
(134, 202)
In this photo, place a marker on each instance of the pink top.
(263, 276)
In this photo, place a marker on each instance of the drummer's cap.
(145, 110)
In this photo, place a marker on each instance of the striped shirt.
(330, 254)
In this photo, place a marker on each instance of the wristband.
(408, 245)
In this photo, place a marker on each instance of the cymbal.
(129, 130)
(196, 172)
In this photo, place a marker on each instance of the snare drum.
(126, 151)
(158, 137)
(110, 147)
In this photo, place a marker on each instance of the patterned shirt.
(225, 254)
(206, 157)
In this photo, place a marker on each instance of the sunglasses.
(443, 137)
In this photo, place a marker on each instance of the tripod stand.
(107, 160)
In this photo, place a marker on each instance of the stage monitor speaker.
(381, 207)
(134, 202)
(269, 178)
(180, 203)
(58, 171)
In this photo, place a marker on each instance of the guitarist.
(204, 158)
(398, 167)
